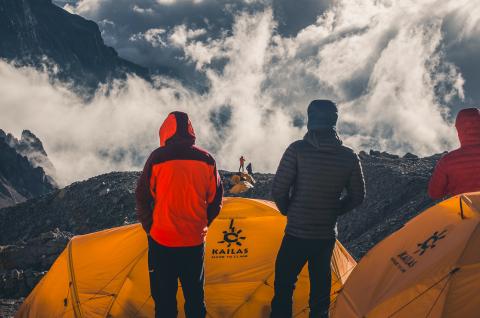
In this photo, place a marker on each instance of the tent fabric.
(105, 274)
(247, 178)
(429, 268)
(235, 179)
(241, 187)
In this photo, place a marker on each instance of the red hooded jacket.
(459, 171)
(179, 192)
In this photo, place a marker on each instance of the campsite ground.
(35, 232)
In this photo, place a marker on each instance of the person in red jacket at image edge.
(179, 193)
(459, 171)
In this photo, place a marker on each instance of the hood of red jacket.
(177, 129)
(468, 126)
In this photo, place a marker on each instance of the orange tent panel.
(105, 274)
(429, 268)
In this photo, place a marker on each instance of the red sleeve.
(215, 196)
(144, 197)
(437, 188)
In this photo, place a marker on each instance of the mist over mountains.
(245, 71)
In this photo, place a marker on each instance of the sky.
(246, 70)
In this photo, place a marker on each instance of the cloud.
(460, 28)
(180, 35)
(152, 36)
(388, 64)
(461, 31)
(131, 18)
(142, 10)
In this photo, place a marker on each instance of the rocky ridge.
(23, 165)
(31, 147)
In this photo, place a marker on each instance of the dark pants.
(294, 253)
(167, 265)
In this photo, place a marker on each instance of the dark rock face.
(101, 202)
(31, 147)
(8, 307)
(20, 179)
(33, 31)
(38, 230)
(23, 264)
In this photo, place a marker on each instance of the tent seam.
(114, 298)
(455, 264)
(469, 202)
(447, 292)
(264, 282)
(75, 303)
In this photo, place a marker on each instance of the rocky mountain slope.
(31, 147)
(36, 231)
(39, 33)
(22, 169)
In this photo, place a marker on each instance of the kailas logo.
(405, 260)
(232, 241)
(232, 236)
(430, 242)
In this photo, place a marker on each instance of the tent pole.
(461, 208)
(75, 301)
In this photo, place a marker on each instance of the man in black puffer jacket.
(317, 180)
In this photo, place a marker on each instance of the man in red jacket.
(459, 171)
(178, 194)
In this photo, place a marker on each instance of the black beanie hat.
(322, 114)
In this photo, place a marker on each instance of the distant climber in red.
(459, 171)
(178, 195)
(242, 164)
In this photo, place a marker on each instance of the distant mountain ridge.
(22, 169)
(37, 32)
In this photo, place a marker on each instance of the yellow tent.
(235, 179)
(241, 187)
(247, 178)
(429, 268)
(105, 274)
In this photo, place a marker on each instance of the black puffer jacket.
(310, 180)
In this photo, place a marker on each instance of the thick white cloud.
(387, 68)
(142, 10)
(180, 35)
(388, 64)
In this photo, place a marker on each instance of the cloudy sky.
(156, 33)
(400, 70)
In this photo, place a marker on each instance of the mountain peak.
(33, 31)
(30, 147)
(30, 143)
(22, 172)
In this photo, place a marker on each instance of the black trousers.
(294, 253)
(169, 264)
